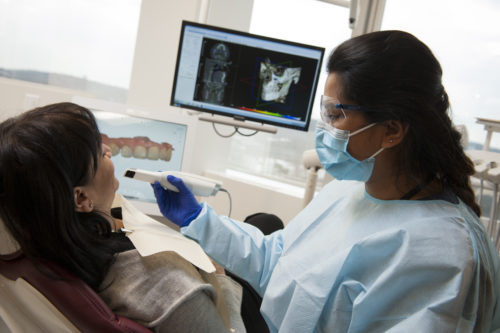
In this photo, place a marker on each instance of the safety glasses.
(332, 110)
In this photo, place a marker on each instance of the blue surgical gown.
(352, 263)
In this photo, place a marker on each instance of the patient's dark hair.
(44, 154)
(396, 76)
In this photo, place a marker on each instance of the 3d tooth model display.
(139, 147)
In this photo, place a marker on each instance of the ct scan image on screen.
(254, 79)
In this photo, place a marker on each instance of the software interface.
(141, 143)
(246, 76)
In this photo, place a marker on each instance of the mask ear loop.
(362, 129)
(377, 152)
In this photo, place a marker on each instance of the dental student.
(395, 242)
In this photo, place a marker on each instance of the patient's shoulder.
(163, 264)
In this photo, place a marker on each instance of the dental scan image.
(254, 79)
(215, 74)
(276, 80)
(143, 144)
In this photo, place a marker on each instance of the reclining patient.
(57, 185)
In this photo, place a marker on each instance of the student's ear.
(83, 204)
(394, 133)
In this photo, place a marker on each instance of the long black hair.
(396, 76)
(44, 154)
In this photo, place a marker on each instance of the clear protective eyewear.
(332, 110)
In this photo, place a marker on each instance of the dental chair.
(312, 165)
(32, 301)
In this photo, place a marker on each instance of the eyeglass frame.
(339, 106)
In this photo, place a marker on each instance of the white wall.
(158, 38)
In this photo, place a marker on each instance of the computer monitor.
(246, 76)
(142, 139)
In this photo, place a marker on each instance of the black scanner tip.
(129, 174)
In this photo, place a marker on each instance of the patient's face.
(103, 186)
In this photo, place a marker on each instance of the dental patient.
(57, 185)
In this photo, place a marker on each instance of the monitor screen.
(141, 143)
(246, 76)
(143, 138)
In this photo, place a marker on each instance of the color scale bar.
(268, 113)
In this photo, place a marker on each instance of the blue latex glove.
(179, 207)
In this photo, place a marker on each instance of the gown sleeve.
(239, 247)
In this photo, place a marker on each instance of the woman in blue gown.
(394, 243)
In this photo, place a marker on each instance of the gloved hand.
(179, 207)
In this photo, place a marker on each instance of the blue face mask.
(331, 146)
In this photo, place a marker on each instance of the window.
(465, 37)
(279, 156)
(78, 44)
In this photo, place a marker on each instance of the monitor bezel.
(304, 128)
